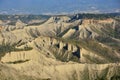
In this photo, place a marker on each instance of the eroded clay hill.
(60, 49)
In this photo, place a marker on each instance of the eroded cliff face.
(52, 48)
(52, 56)
(69, 71)
(91, 29)
(93, 21)
(48, 51)
(48, 46)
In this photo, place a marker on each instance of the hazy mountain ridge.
(58, 7)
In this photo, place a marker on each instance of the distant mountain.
(58, 6)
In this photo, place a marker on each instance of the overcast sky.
(58, 6)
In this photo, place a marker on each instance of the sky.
(58, 6)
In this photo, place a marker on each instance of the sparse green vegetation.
(94, 59)
(96, 16)
(8, 48)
